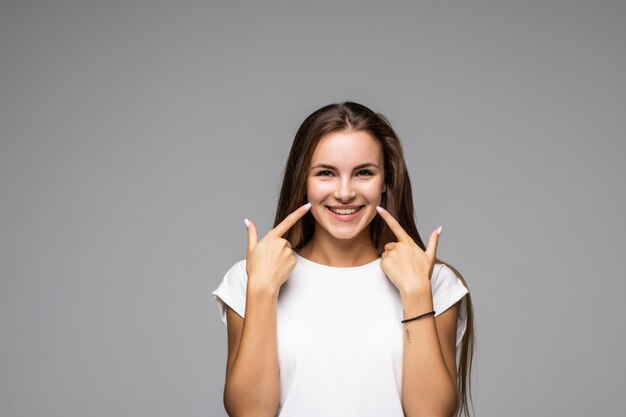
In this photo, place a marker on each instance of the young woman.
(341, 310)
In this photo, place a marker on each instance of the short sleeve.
(447, 289)
(232, 290)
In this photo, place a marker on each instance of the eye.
(363, 171)
(321, 173)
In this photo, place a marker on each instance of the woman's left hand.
(406, 265)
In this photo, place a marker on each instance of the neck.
(339, 252)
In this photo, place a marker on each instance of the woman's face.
(346, 171)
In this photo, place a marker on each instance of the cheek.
(372, 189)
(318, 190)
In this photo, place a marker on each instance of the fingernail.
(379, 209)
(307, 205)
(246, 222)
(439, 230)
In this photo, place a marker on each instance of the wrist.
(260, 290)
(416, 293)
(417, 302)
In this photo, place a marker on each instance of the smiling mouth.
(344, 211)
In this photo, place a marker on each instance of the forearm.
(253, 383)
(427, 387)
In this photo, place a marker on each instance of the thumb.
(433, 242)
(252, 235)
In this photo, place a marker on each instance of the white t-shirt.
(339, 336)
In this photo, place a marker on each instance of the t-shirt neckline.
(341, 269)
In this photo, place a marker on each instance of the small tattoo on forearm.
(408, 335)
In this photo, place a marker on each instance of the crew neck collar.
(343, 269)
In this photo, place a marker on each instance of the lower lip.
(345, 217)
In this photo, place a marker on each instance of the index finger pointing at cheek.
(393, 224)
(290, 220)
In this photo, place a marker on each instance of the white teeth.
(341, 211)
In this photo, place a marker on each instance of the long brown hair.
(397, 199)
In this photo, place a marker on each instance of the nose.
(344, 192)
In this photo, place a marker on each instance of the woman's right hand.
(270, 261)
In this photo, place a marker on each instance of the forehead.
(347, 149)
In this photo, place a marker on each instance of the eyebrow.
(365, 165)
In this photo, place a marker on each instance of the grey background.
(136, 136)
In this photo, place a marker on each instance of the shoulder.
(232, 290)
(237, 272)
(446, 286)
(444, 276)
(239, 265)
(235, 280)
(442, 269)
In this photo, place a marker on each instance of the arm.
(429, 358)
(252, 385)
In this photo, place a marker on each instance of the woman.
(347, 312)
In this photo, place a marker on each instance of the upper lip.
(345, 207)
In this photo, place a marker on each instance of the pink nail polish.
(246, 222)
(379, 209)
(439, 230)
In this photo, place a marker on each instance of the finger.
(252, 236)
(433, 242)
(393, 224)
(290, 220)
(390, 245)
